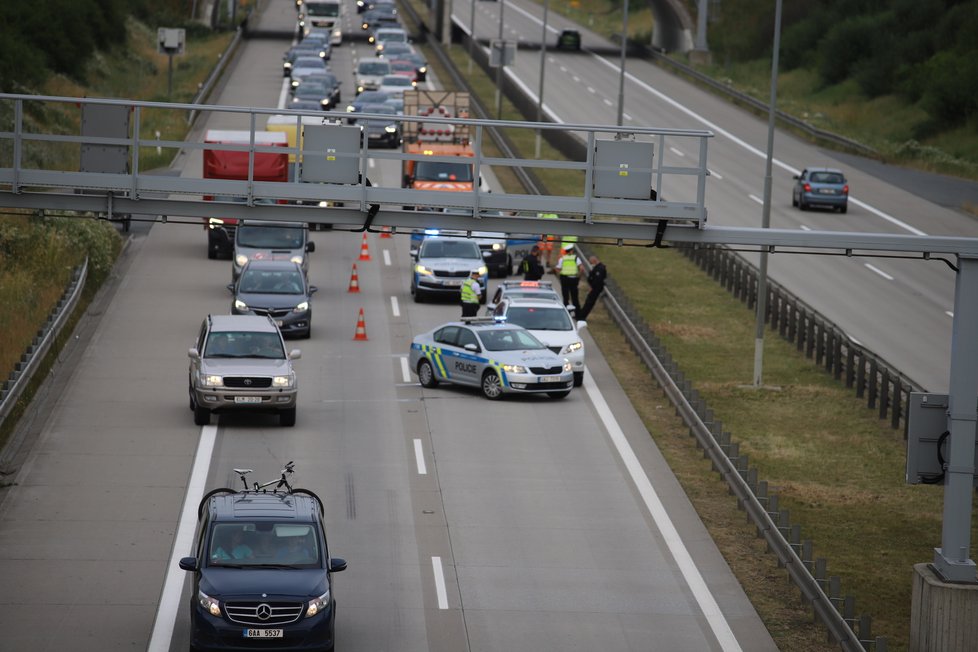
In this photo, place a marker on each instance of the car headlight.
(390, 129)
(575, 346)
(364, 25)
(483, 271)
(318, 604)
(214, 222)
(210, 605)
(568, 366)
(423, 69)
(421, 269)
(514, 368)
(322, 54)
(302, 307)
(295, 83)
(210, 380)
(287, 65)
(282, 381)
(349, 107)
(324, 101)
(296, 259)
(240, 305)
(497, 246)
(241, 260)
(337, 33)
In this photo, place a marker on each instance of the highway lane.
(901, 310)
(524, 524)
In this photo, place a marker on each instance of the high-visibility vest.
(469, 295)
(568, 265)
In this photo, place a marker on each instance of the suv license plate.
(263, 633)
(247, 399)
(549, 379)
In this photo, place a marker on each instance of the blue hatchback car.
(821, 187)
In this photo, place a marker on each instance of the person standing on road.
(531, 267)
(595, 280)
(471, 291)
(567, 270)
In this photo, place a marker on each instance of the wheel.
(844, 208)
(578, 378)
(802, 205)
(558, 395)
(202, 416)
(287, 417)
(492, 387)
(207, 497)
(306, 492)
(418, 297)
(211, 254)
(426, 374)
(193, 403)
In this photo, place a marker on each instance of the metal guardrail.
(204, 92)
(13, 387)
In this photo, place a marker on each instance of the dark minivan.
(262, 572)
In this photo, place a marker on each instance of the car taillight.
(807, 187)
(845, 189)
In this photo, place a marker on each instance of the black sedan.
(276, 288)
(323, 87)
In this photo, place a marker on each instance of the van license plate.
(263, 633)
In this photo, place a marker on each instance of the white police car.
(498, 358)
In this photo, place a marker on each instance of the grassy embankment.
(36, 256)
(835, 465)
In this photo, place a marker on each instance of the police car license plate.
(247, 399)
(549, 379)
(263, 633)
(453, 282)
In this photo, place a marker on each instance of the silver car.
(442, 264)
(239, 362)
(498, 358)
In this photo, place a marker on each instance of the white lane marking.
(562, 68)
(419, 457)
(878, 271)
(439, 582)
(171, 599)
(607, 101)
(387, 257)
(371, 163)
(949, 313)
(396, 309)
(405, 370)
(697, 586)
(676, 152)
(804, 227)
(284, 93)
(591, 90)
(756, 198)
(714, 174)
(626, 116)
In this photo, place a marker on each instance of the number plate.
(251, 400)
(549, 379)
(263, 633)
(453, 283)
(826, 191)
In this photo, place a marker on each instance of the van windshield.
(328, 9)
(271, 237)
(243, 544)
(439, 171)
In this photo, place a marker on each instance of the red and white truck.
(233, 164)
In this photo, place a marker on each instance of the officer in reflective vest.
(567, 269)
(470, 294)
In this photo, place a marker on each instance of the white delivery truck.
(324, 14)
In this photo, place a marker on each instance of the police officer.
(531, 267)
(595, 279)
(567, 270)
(471, 290)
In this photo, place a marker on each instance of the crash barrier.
(837, 612)
(873, 379)
(30, 360)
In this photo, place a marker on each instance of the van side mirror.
(188, 564)
(337, 564)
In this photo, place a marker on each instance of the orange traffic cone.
(361, 332)
(354, 280)
(364, 251)
(385, 231)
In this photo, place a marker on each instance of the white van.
(323, 14)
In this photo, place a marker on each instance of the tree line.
(924, 50)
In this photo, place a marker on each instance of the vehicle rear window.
(827, 177)
(540, 319)
(439, 171)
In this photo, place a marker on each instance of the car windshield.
(533, 294)
(396, 80)
(439, 171)
(271, 282)
(372, 97)
(264, 544)
(328, 9)
(827, 177)
(449, 249)
(270, 237)
(540, 319)
(510, 339)
(310, 62)
(374, 68)
(244, 344)
(394, 37)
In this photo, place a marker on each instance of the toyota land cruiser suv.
(239, 363)
(262, 571)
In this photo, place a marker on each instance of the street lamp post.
(471, 33)
(543, 61)
(621, 76)
(499, 70)
(761, 320)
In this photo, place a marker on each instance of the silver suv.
(239, 362)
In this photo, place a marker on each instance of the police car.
(549, 322)
(497, 357)
(543, 290)
(442, 264)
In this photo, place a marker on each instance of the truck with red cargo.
(233, 164)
